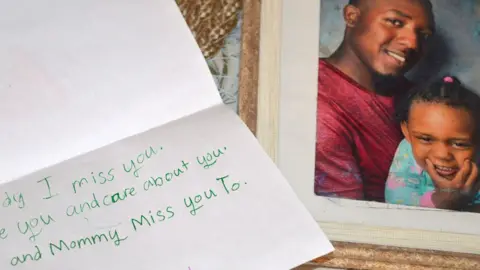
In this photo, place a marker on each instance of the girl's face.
(442, 134)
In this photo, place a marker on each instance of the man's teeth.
(396, 56)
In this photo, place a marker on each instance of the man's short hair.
(427, 3)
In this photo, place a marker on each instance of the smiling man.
(358, 86)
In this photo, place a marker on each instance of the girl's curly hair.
(448, 91)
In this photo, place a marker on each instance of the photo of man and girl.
(398, 110)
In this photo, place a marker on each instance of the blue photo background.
(455, 49)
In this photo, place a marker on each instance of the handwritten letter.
(120, 155)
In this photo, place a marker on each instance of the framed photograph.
(425, 44)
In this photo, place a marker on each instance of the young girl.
(435, 165)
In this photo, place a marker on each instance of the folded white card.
(117, 151)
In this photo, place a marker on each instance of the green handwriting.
(152, 218)
(34, 226)
(209, 159)
(167, 177)
(14, 198)
(49, 189)
(96, 178)
(107, 200)
(3, 233)
(67, 245)
(121, 196)
(194, 203)
(228, 188)
(134, 165)
(23, 258)
(73, 210)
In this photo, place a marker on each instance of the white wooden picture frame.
(287, 90)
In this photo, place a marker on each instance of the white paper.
(87, 87)
(77, 75)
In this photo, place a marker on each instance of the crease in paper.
(66, 92)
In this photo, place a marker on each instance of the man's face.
(389, 36)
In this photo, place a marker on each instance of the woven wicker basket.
(210, 21)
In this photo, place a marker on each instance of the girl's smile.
(442, 134)
(446, 172)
